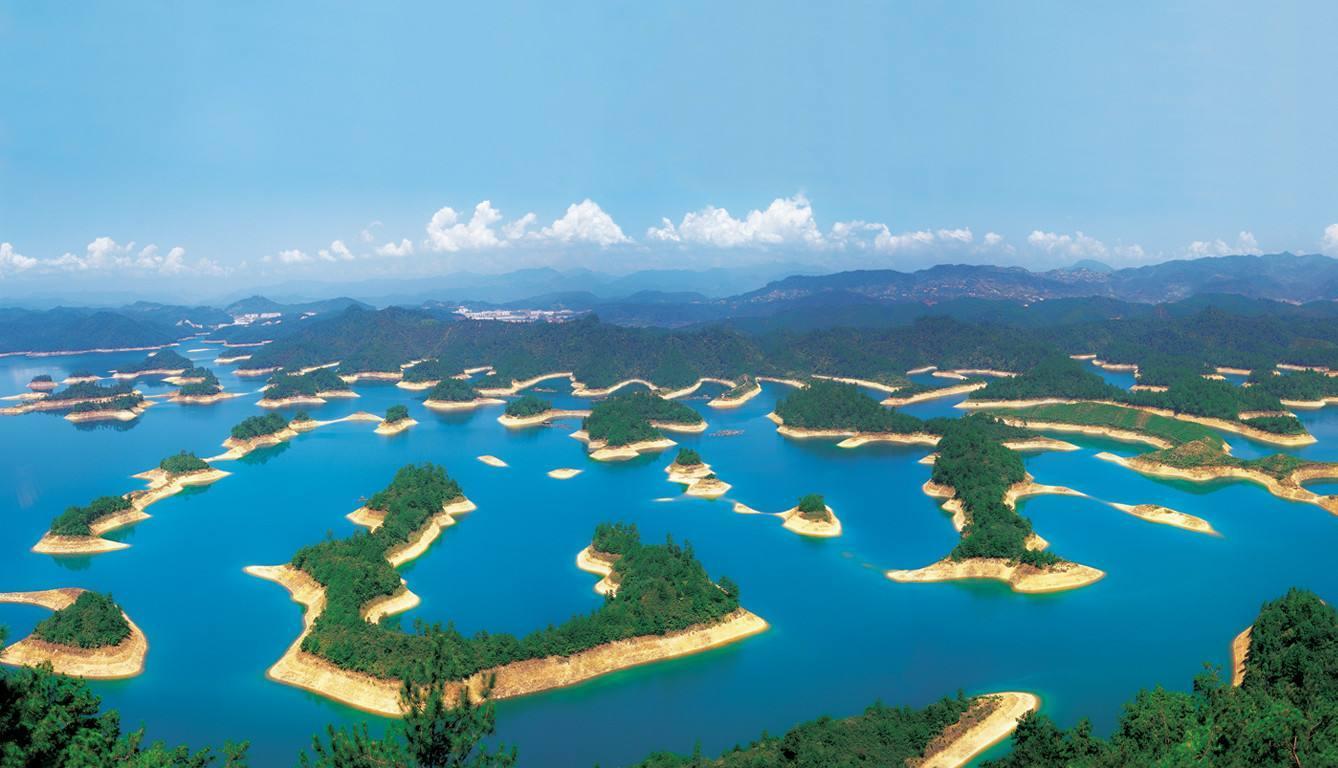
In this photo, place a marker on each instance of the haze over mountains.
(1248, 284)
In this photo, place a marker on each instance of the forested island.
(88, 635)
(259, 431)
(309, 388)
(689, 469)
(530, 411)
(397, 420)
(199, 387)
(744, 390)
(89, 400)
(456, 395)
(812, 517)
(623, 426)
(826, 408)
(663, 597)
(42, 382)
(164, 362)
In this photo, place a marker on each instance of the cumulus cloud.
(403, 248)
(336, 252)
(583, 222)
(787, 221)
(1081, 246)
(1245, 244)
(104, 254)
(1330, 242)
(11, 261)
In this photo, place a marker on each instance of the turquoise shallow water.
(842, 635)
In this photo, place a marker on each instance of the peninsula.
(530, 411)
(88, 636)
(457, 395)
(624, 426)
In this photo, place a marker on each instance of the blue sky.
(245, 141)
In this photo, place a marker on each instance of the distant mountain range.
(1014, 295)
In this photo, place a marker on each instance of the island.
(689, 469)
(342, 582)
(812, 517)
(162, 363)
(88, 636)
(87, 396)
(119, 408)
(625, 426)
(42, 382)
(564, 473)
(746, 389)
(981, 479)
(531, 411)
(825, 408)
(312, 387)
(202, 388)
(79, 530)
(457, 395)
(492, 461)
(255, 432)
(397, 420)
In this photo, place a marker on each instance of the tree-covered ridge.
(309, 384)
(396, 413)
(1162, 370)
(662, 588)
(259, 426)
(615, 538)
(1174, 431)
(1056, 376)
(980, 469)
(745, 385)
(1198, 396)
(208, 386)
(93, 620)
(1283, 714)
(626, 418)
(182, 463)
(118, 403)
(824, 404)
(76, 521)
(528, 405)
(453, 391)
(91, 390)
(1208, 452)
(688, 457)
(813, 507)
(162, 360)
(1302, 385)
(880, 736)
(433, 369)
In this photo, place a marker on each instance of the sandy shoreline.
(852, 438)
(120, 414)
(699, 480)
(1123, 435)
(599, 563)
(564, 473)
(1240, 653)
(394, 427)
(819, 529)
(734, 402)
(1290, 488)
(991, 718)
(1023, 578)
(580, 390)
(288, 402)
(1154, 513)
(602, 451)
(517, 386)
(934, 394)
(867, 383)
(462, 405)
(230, 359)
(492, 461)
(353, 378)
(239, 448)
(379, 696)
(177, 397)
(125, 659)
(538, 419)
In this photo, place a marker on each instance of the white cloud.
(404, 248)
(445, 232)
(289, 256)
(1245, 244)
(12, 261)
(104, 254)
(585, 222)
(366, 235)
(787, 221)
(1076, 245)
(336, 252)
(1330, 243)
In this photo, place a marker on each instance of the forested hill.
(24, 330)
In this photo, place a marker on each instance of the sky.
(235, 143)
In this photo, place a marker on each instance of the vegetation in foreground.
(93, 620)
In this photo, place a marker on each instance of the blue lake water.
(842, 635)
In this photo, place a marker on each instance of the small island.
(397, 420)
(87, 398)
(826, 408)
(79, 530)
(812, 517)
(88, 636)
(624, 426)
(258, 432)
(119, 408)
(42, 382)
(200, 387)
(531, 411)
(162, 363)
(343, 583)
(457, 395)
(307, 388)
(689, 469)
(564, 473)
(746, 389)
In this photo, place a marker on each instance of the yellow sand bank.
(539, 419)
(1019, 576)
(394, 427)
(462, 405)
(125, 659)
(1289, 488)
(564, 473)
(935, 394)
(989, 720)
(734, 402)
(1240, 652)
(1166, 516)
(492, 461)
(599, 563)
(517, 386)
